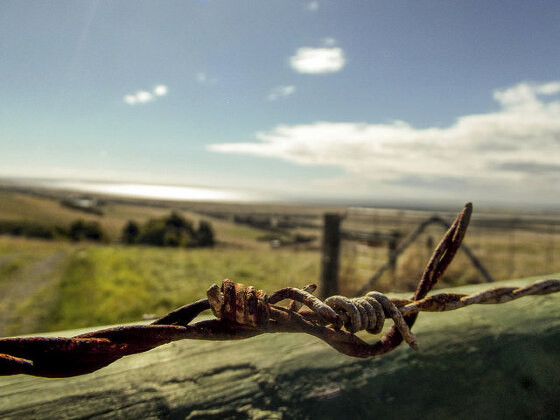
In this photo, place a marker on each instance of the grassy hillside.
(61, 285)
(48, 210)
(48, 285)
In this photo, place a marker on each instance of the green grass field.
(57, 285)
(50, 285)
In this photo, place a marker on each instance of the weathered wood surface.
(485, 361)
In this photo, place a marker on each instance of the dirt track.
(32, 278)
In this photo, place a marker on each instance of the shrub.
(205, 234)
(78, 230)
(130, 232)
(86, 230)
(173, 230)
(29, 229)
(152, 232)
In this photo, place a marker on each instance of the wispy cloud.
(144, 96)
(326, 59)
(509, 147)
(280, 92)
(312, 6)
(204, 79)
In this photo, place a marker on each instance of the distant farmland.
(48, 285)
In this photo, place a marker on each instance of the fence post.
(392, 254)
(550, 249)
(511, 262)
(330, 254)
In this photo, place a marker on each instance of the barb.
(243, 312)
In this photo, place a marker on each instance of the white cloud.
(327, 59)
(313, 6)
(524, 95)
(160, 90)
(551, 88)
(280, 92)
(143, 96)
(506, 148)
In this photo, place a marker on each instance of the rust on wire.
(243, 311)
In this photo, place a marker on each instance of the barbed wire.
(242, 312)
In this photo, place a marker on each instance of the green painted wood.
(485, 361)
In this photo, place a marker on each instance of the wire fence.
(243, 312)
(506, 246)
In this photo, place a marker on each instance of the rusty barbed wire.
(242, 312)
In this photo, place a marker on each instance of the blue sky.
(358, 100)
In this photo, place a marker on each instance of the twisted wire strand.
(85, 353)
(451, 301)
(368, 313)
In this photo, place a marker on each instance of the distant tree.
(28, 229)
(85, 230)
(179, 231)
(205, 234)
(130, 232)
(76, 230)
(174, 230)
(153, 232)
(175, 220)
